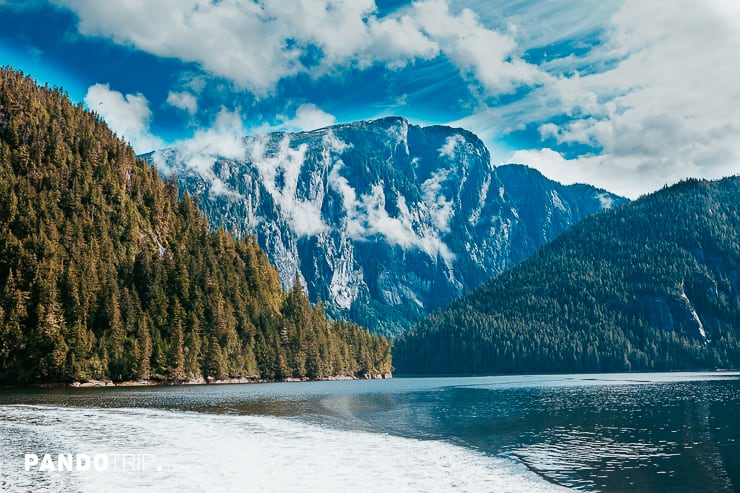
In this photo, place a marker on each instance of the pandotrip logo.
(77, 462)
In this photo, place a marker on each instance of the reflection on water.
(677, 437)
(633, 432)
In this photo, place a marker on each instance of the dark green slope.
(649, 285)
(104, 273)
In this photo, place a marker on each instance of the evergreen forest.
(650, 285)
(106, 274)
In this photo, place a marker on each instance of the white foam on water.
(214, 453)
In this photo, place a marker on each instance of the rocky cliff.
(383, 221)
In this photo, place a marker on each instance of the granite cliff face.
(383, 221)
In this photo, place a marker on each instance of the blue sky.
(626, 95)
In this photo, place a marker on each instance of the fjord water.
(615, 432)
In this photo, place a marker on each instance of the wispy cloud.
(368, 218)
(279, 172)
(654, 110)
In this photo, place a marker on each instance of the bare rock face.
(383, 221)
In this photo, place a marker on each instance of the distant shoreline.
(94, 383)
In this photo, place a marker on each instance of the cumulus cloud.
(489, 56)
(552, 163)
(308, 116)
(661, 112)
(628, 175)
(184, 100)
(648, 89)
(257, 44)
(127, 115)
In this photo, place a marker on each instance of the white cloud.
(652, 90)
(308, 116)
(657, 108)
(488, 55)
(449, 148)
(279, 172)
(440, 208)
(367, 216)
(629, 176)
(184, 100)
(223, 140)
(552, 164)
(257, 44)
(129, 116)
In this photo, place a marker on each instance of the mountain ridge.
(384, 221)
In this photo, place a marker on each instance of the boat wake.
(178, 451)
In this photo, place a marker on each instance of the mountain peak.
(389, 121)
(383, 220)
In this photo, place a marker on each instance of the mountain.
(382, 220)
(649, 285)
(106, 274)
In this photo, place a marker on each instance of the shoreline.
(367, 376)
(97, 383)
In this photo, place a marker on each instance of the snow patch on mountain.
(557, 202)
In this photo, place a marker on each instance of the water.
(620, 432)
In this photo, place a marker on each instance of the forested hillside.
(649, 285)
(105, 273)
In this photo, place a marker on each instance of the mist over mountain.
(384, 221)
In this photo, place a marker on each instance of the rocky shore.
(210, 381)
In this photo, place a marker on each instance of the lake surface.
(614, 432)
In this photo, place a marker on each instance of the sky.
(625, 95)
